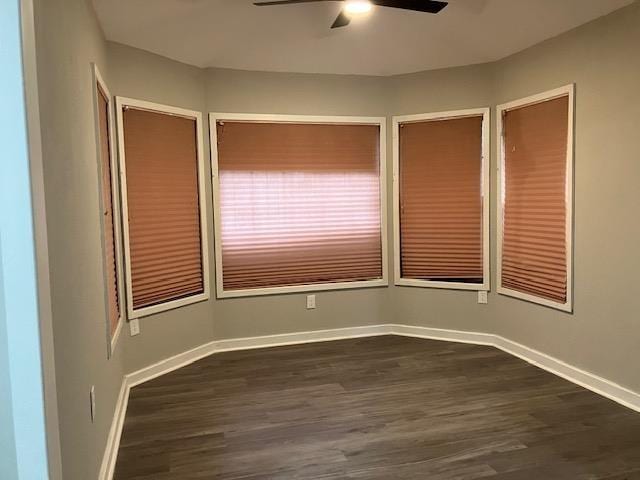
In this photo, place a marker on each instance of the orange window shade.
(161, 157)
(108, 216)
(441, 200)
(534, 247)
(300, 203)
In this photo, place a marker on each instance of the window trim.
(122, 102)
(214, 117)
(567, 90)
(98, 80)
(486, 183)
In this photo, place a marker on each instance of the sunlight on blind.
(291, 220)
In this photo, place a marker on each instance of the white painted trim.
(214, 117)
(301, 288)
(415, 282)
(32, 109)
(537, 98)
(590, 381)
(122, 102)
(398, 121)
(170, 364)
(97, 79)
(567, 90)
(421, 117)
(460, 336)
(114, 339)
(297, 338)
(108, 465)
(594, 383)
(186, 358)
(250, 343)
(314, 119)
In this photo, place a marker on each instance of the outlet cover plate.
(311, 302)
(483, 297)
(134, 327)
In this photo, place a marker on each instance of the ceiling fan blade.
(289, 2)
(427, 6)
(342, 21)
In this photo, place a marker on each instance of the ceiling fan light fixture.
(357, 7)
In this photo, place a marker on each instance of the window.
(299, 203)
(536, 195)
(109, 209)
(163, 203)
(441, 200)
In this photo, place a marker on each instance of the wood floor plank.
(373, 408)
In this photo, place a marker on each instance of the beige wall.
(68, 39)
(437, 91)
(141, 75)
(598, 57)
(602, 58)
(602, 336)
(303, 94)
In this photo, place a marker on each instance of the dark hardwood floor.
(373, 408)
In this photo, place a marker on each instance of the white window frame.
(485, 192)
(215, 117)
(122, 102)
(97, 79)
(567, 90)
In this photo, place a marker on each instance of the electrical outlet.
(311, 302)
(134, 327)
(92, 406)
(482, 296)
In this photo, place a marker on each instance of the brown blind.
(164, 217)
(441, 200)
(107, 204)
(300, 203)
(534, 250)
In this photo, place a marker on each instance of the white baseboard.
(170, 364)
(590, 381)
(115, 433)
(190, 356)
(599, 385)
(429, 333)
(301, 337)
(185, 358)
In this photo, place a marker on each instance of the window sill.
(163, 307)
(564, 307)
(411, 282)
(255, 292)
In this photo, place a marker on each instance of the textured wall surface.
(602, 335)
(68, 40)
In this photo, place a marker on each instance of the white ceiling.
(297, 38)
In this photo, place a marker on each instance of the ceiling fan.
(355, 7)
